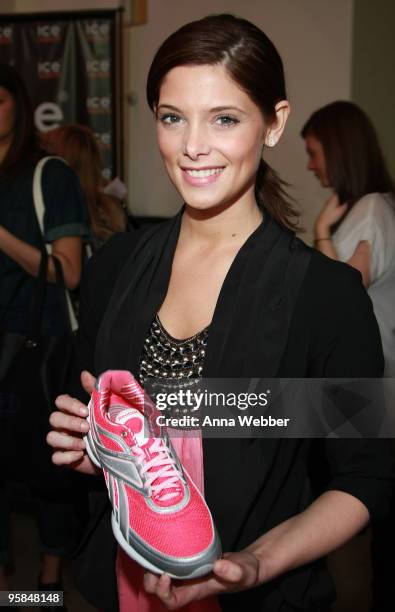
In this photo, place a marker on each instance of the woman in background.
(21, 242)
(77, 145)
(357, 225)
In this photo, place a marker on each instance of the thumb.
(88, 381)
(228, 570)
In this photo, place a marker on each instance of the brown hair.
(354, 162)
(253, 63)
(77, 145)
(24, 143)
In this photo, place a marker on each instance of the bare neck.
(217, 228)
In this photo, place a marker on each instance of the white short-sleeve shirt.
(372, 218)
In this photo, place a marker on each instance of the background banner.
(69, 64)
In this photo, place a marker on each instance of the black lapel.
(138, 294)
(249, 331)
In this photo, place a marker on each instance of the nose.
(195, 142)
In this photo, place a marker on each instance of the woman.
(357, 223)
(78, 146)
(228, 271)
(20, 255)
(357, 226)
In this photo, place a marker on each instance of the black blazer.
(284, 310)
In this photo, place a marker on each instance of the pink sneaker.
(158, 515)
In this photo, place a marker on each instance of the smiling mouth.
(203, 173)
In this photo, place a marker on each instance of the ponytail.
(271, 195)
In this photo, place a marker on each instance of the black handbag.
(34, 368)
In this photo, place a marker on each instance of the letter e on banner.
(47, 116)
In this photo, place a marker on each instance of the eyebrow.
(215, 109)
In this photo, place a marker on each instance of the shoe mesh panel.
(181, 534)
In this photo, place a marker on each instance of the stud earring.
(271, 141)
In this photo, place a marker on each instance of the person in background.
(357, 223)
(357, 226)
(65, 224)
(78, 146)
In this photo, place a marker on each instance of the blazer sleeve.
(351, 347)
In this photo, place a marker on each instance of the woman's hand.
(299, 540)
(235, 572)
(69, 425)
(331, 213)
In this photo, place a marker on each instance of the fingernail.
(84, 411)
(84, 426)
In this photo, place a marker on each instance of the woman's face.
(316, 163)
(7, 114)
(210, 136)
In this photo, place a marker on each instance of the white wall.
(314, 40)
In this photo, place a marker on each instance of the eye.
(169, 119)
(226, 120)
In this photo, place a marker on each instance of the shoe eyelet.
(124, 434)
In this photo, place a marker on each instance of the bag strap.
(37, 302)
(38, 197)
(40, 210)
(63, 294)
(39, 206)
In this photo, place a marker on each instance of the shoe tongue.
(126, 387)
(134, 421)
(130, 418)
